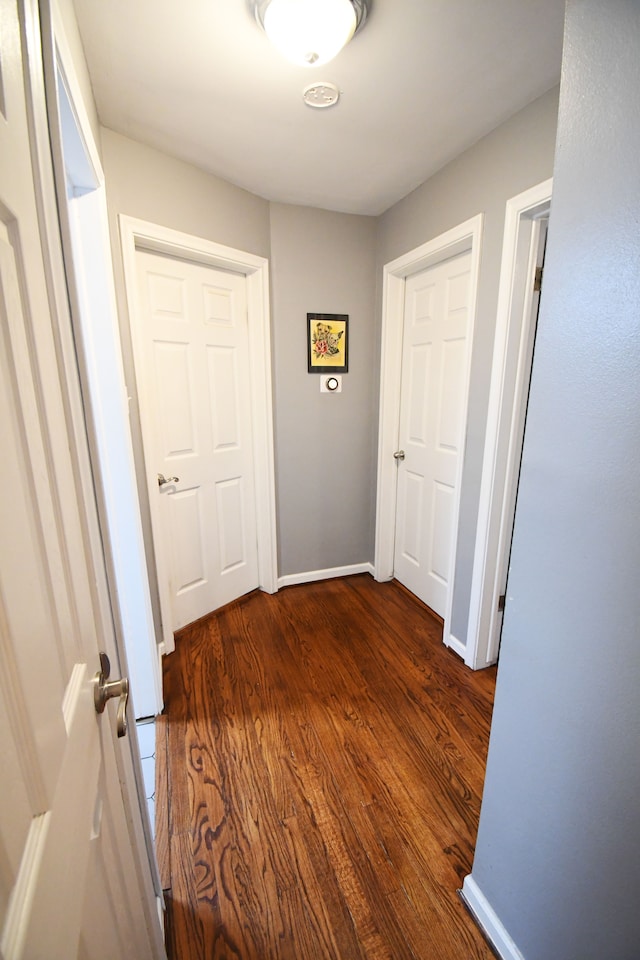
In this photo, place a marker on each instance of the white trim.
(160, 906)
(457, 646)
(465, 237)
(329, 574)
(141, 235)
(66, 67)
(20, 907)
(95, 317)
(488, 920)
(510, 371)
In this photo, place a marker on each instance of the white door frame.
(142, 235)
(92, 295)
(507, 408)
(465, 237)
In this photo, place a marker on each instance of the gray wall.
(558, 852)
(327, 262)
(145, 183)
(319, 262)
(323, 262)
(515, 156)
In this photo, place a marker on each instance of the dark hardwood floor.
(319, 771)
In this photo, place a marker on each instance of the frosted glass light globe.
(309, 32)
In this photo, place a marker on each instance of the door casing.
(85, 234)
(460, 239)
(141, 235)
(505, 417)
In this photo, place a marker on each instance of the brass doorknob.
(162, 479)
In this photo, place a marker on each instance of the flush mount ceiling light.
(310, 32)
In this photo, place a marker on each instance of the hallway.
(323, 755)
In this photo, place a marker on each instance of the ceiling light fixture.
(310, 32)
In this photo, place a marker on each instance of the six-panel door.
(432, 415)
(192, 364)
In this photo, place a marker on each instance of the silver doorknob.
(106, 689)
(398, 455)
(162, 479)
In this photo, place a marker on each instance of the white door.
(72, 882)
(192, 364)
(432, 418)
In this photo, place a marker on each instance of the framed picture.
(328, 342)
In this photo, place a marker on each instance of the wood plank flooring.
(319, 771)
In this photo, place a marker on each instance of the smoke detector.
(321, 95)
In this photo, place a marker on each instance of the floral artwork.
(327, 342)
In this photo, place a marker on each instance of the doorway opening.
(463, 239)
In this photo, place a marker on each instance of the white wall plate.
(330, 383)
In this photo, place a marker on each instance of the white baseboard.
(311, 575)
(160, 908)
(456, 645)
(488, 920)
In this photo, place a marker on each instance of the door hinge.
(537, 283)
(501, 602)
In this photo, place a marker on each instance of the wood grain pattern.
(323, 757)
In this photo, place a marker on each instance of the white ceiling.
(421, 82)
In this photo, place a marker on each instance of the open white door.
(74, 879)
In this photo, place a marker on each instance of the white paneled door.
(432, 417)
(192, 363)
(72, 881)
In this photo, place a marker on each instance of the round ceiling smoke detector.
(320, 95)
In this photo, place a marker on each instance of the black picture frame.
(327, 343)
